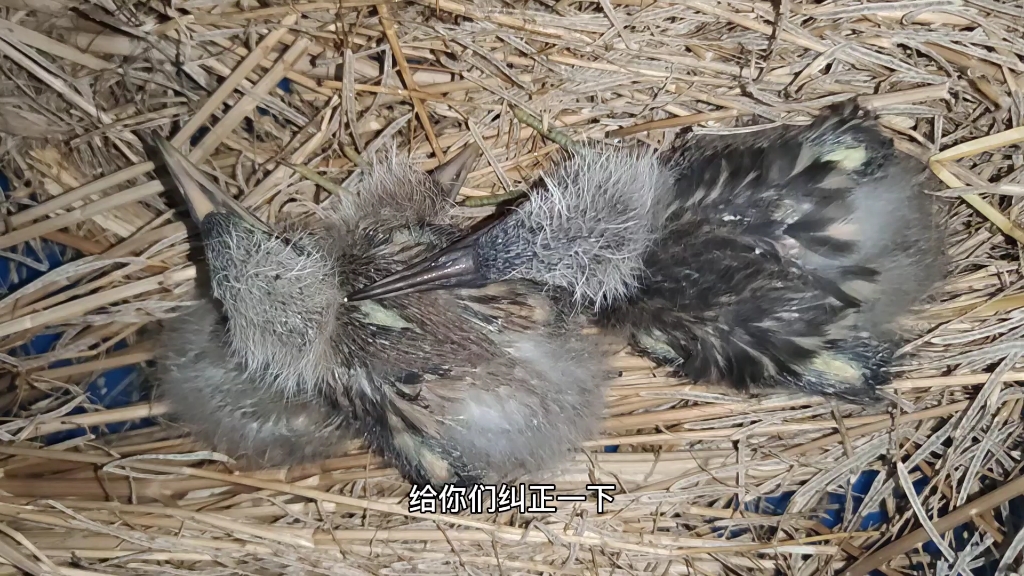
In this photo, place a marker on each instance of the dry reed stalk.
(78, 98)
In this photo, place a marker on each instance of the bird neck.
(588, 225)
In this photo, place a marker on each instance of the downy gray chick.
(449, 387)
(204, 357)
(782, 258)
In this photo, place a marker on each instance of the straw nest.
(81, 80)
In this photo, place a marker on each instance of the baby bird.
(449, 387)
(204, 368)
(783, 258)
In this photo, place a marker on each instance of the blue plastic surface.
(111, 389)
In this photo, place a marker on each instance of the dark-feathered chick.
(463, 386)
(782, 258)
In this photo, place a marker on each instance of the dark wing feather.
(731, 312)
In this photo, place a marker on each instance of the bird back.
(785, 257)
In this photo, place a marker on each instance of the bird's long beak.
(453, 267)
(451, 175)
(201, 195)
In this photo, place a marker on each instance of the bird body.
(784, 260)
(776, 259)
(230, 410)
(449, 387)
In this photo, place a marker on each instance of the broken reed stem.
(314, 177)
(986, 144)
(231, 83)
(410, 83)
(248, 103)
(354, 157)
(553, 134)
(556, 136)
(109, 416)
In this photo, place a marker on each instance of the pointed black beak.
(202, 196)
(453, 267)
(451, 175)
(456, 266)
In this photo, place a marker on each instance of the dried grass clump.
(80, 81)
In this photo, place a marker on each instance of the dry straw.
(81, 81)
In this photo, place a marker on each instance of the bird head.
(584, 228)
(277, 294)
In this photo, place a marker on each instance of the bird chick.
(783, 258)
(214, 366)
(449, 387)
